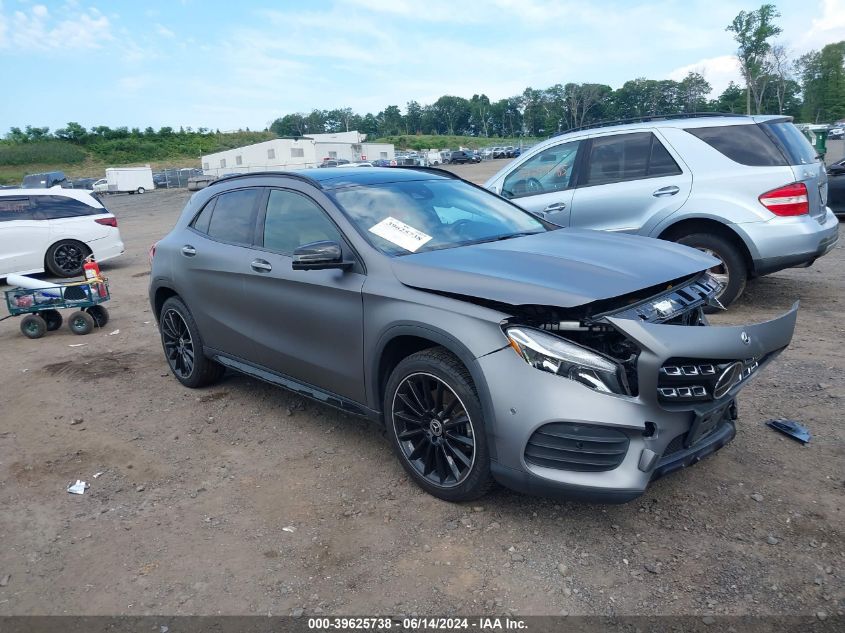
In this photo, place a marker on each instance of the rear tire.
(183, 346)
(99, 314)
(65, 258)
(33, 326)
(435, 423)
(53, 318)
(81, 323)
(732, 272)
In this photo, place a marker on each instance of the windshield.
(399, 218)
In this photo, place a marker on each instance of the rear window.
(744, 144)
(794, 144)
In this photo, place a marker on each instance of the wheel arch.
(688, 226)
(400, 342)
(162, 294)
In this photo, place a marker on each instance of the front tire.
(732, 271)
(435, 424)
(183, 347)
(33, 326)
(81, 323)
(141, 190)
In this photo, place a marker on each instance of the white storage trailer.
(129, 179)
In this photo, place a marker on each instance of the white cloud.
(38, 30)
(164, 31)
(134, 83)
(828, 28)
(719, 71)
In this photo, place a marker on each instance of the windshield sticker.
(401, 234)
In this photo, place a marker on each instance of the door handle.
(188, 250)
(671, 190)
(261, 265)
(555, 206)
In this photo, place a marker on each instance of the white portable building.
(276, 155)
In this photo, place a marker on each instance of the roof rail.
(647, 118)
(434, 170)
(289, 174)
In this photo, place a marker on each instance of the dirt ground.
(243, 498)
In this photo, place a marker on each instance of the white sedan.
(54, 230)
(101, 186)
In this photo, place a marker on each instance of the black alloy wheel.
(65, 259)
(434, 430)
(178, 343)
(183, 346)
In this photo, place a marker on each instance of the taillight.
(152, 252)
(107, 221)
(789, 200)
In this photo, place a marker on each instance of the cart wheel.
(53, 318)
(81, 323)
(99, 314)
(33, 326)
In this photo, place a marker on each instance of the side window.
(15, 209)
(58, 207)
(233, 216)
(550, 170)
(202, 220)
(661, 162)
(293, 220)
(619, 157)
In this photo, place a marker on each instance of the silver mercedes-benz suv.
(748, 190)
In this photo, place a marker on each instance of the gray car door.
(215, 252)
(544, 183)
(628, 182)
(305, 324)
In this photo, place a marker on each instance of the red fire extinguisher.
(93, 275)
(92, 270)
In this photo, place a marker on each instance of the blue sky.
(242, 64)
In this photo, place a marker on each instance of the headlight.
(557, 356)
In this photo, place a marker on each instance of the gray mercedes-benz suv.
(747, 190)
(492, 344)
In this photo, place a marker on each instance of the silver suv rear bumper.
(790, 242)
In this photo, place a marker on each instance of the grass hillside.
(91, 156)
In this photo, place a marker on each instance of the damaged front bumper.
(556, 437)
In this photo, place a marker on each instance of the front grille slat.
(576, 447)
(694, 380)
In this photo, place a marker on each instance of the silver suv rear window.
(794, 144)
(744, 144)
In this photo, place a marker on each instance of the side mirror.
(320, 256)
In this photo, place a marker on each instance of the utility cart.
(41, 306)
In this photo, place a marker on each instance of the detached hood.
(564, 268)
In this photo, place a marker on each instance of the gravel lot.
(243, 498)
